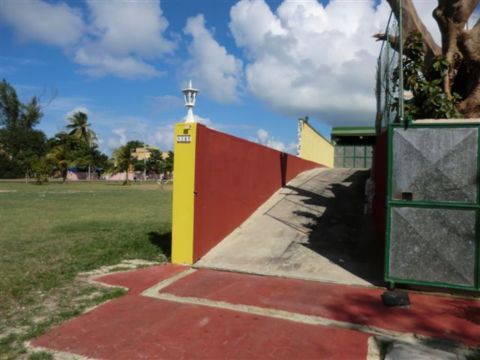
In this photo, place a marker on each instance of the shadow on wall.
(233, 177)
(283, 167)
(162, 241)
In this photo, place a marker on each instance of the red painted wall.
(233, 177)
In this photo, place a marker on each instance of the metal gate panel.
(447, 173)
(434, 245)
(433, 205)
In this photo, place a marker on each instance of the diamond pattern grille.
(433, 245)
(447, 174)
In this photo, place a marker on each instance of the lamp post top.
(190, 95)
(189, 88)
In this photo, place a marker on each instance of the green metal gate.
(433, 203)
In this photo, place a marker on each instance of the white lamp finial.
(190, 95)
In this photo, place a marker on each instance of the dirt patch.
(125, 265)
(7, 191)
(57, 306)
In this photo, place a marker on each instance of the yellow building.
(314, 146)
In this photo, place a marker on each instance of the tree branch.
(470, 7)
(471, 43)
(413, 23)
(392, 40)
(452, 16)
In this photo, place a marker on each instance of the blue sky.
(259, 65)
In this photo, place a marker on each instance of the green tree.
(456, 59)
(62, 153)
(156, 163)
(20, 144)
(426, 84)
(81, 129)
(66, 151)
(42, 168)
(123, 158)
(169, 161)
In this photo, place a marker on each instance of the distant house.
(74, 174)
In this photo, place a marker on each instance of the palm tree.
(124, 159)
(81, 129)
(59, 153)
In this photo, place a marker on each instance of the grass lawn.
(50, 233)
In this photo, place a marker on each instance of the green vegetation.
(124, 160)
(426, 83)
(81, 130)
(26, 151)
(453, 90)
(21, 146)
(51, 233)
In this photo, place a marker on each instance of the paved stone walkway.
(174, 312)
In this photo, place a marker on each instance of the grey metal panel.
(359, 150)
(437, 164)
(360, 162)
(368, 162)
(433, 245)
(338, 161)
(369, 151)
(338, 150)
(349, 150)
(348, 163)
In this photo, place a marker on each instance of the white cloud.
(165, 102)
(163, 137)
(132, 128)
(76, 109)
(213, 69)
(261, 20)
(66, 103)
(264, 138)
(119, 38)
(307, 57)
(130, 27)
(310, 58)
(425, 10)
(118, 140)
(202, 120)
(100, 63)
(51, 23)
(123, 37)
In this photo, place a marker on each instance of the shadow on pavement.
(343, 233)
(162, 241)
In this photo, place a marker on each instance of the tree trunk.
(413, 23)
(125, 182)
(460, 47)
(451, 17)
(470, 107)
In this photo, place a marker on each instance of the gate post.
(183, 193)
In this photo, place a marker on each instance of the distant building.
(353, 146)
(349, 147)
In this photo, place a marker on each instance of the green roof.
(353, 131)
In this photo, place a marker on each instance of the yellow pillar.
(183, 193)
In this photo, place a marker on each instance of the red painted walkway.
(136, 327)
(442, 317)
